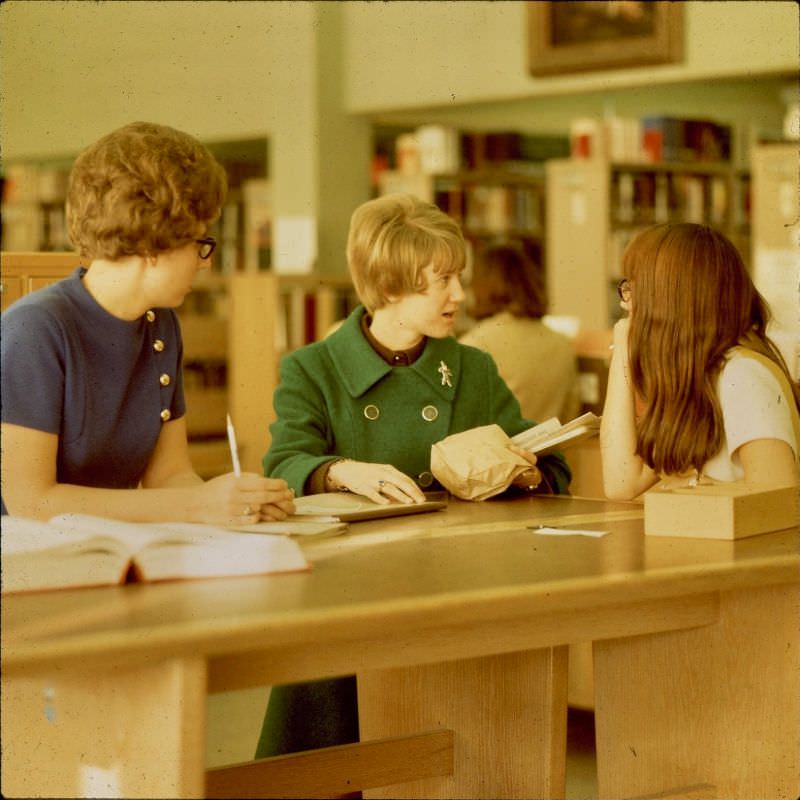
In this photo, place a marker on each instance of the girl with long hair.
(696, 387)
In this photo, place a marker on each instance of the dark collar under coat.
(360, 367)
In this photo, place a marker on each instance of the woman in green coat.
(360, 410)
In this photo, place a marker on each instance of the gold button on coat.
(166, 414)
(158, 345)
(150, 315)
(164, 380)
(429, 413)
(372, 412)
(425, 479)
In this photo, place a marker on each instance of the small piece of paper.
(546, 531)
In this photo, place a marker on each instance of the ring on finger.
(248, 511)
(381, 484)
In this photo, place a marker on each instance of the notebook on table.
(347, 507)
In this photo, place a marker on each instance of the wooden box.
(720, 511)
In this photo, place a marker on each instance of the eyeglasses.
(624, 290)
(207, 247)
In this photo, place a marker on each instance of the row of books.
(300, 319)
(493, 209)
(643, 197)
(650, 139)
(442, 149)
(32, 183)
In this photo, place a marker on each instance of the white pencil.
(237, 470)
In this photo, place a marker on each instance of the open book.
(74, 550)
(552, 435)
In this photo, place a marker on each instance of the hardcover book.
(74, 550)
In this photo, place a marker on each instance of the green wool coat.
(338, 397)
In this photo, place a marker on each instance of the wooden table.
(456, 624)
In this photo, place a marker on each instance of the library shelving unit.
(500, 203)
(595, 207)
(34, 195)
(235, 329)
(776, 241)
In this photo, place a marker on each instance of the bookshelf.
(34, 194)
(235, 329)
(491, 205)
(596, 206)
(491, 182)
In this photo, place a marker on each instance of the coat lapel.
(360, 367)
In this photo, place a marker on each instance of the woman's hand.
(531, 477)
(246, 499)
(625, 475)
(381, 483)
(620, 339)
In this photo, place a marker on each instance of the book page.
(37, 555)
(21, 535)
(546, 436)
(203, 551)
(131, 535)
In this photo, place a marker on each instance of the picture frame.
(570, 37)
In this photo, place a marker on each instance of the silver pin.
(446, 374)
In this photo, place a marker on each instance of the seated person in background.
(537, 363)
(695, 385)
(359, 410)
(92, 391)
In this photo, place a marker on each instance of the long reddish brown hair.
(692, 300)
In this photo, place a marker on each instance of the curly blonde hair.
(392, 239)
(141, 190)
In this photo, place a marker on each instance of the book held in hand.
(552, 435)
(74, 550)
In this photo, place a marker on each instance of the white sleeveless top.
(754, 406)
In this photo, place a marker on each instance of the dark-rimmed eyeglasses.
(207, 247)
(624, 290)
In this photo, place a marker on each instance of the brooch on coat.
(446, 374)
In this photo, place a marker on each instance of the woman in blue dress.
(92, 391)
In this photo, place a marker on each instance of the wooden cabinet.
(21, 273)
(595, 207)
(235, 329)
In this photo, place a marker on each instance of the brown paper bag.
(476, 464)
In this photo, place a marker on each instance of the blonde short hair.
(141, 190)
(392, 239)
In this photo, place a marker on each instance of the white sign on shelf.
(295, 244)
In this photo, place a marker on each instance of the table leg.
(718, 705)
(508, 714)
(135, 731)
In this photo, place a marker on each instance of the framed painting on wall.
(566, 37)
